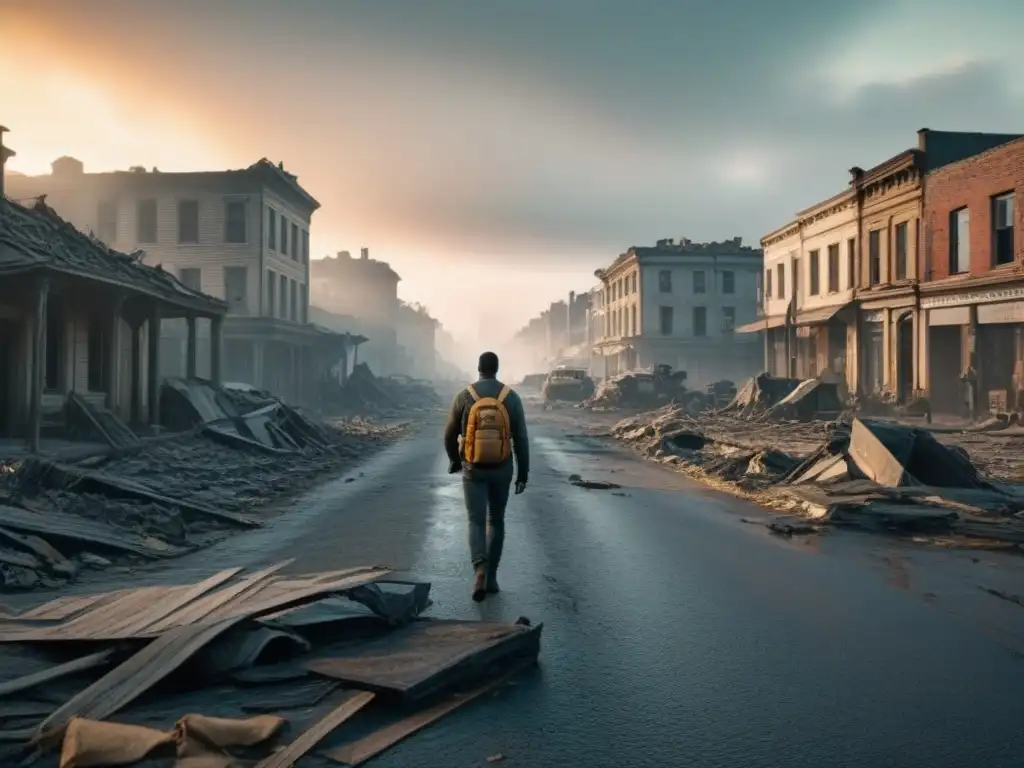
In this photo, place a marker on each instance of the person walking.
(486, 428)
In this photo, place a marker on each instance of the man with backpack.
(486, 428)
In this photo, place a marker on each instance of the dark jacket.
(458, 418)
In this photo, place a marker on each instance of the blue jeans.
(486, 492)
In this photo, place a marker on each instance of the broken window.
(97, 350)
(235, 222)
(815, 287)
(271, 229)
(271, 293)
(145, 223)
(901, 251)
(666, 321)
(959, 241)
(188, 221)
(874, 257)
(700, 321)
(106, 221)
(192, 277)
(236, 289)
(665, 281)
(728, 319)
(54, 346)
(728, 281)
(700, 281)
(295, 242)
(833, 268)
(1002, 223)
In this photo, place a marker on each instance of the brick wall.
(973, 183)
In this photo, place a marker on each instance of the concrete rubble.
(228, 455)
(365, 393)
(647, 389)
(870, 473)
(243, 669)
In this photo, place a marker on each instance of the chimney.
(922, 139)
(364, 253)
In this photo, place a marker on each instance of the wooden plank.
(421, 658)
(287, 757)
(56, 524)
(80, 664)
(93, 624)
(157, 660)
(358, 752)
(64, 607)
(171, 603)
(78, 628)
(355, 578)
(202, 608)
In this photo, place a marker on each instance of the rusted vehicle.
(571, 385)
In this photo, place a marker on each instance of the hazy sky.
(496, 153)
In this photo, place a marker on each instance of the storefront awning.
(761, 325)
(818, 316)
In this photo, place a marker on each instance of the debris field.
(870, 473)
(229, 453)
(242, 669)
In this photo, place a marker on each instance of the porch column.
(153, 366)
(190, 354)
(973, 363)
(113, 360)
(216, 350)
(136, 373)
(35, 407)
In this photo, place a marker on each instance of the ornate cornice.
(781, 234)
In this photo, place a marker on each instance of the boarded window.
(146, 221)
(188, 221)
(236, 228)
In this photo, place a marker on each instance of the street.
(677, 629)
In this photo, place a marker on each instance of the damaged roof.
(37, 238)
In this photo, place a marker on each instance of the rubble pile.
(365, 393)
(243, 669)
(868, 473)
(647, 389)
(767, 398)
(236, 450)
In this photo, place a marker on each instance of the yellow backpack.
(488, 438)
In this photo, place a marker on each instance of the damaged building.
(843, 283)
(77, 317)
(241, 235)
(366, 290)
(678, 304)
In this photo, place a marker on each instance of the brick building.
(973, 292)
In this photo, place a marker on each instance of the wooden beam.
(38, 379)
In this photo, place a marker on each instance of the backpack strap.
(473, 393)
(503, 394)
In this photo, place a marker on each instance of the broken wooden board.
(168, 652)
(60, 476)
(358, 752)
(57, 671)
(58, 525)
(428, 655)
(309, 738)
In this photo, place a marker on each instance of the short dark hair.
(488, 365)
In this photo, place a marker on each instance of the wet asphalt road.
(675, 632)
